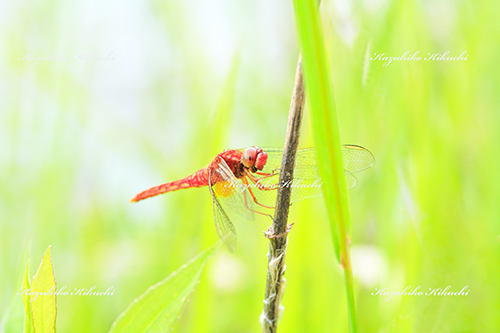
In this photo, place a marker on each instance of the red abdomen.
(197, 179)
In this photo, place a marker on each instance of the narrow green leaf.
(222, 115)
(42, 296)
(159, 307)
(323, 118)
(28, 319)
(326, 136)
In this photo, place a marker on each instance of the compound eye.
(261, 161)
(249, 157)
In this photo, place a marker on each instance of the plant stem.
(350, 290)
(277, 233)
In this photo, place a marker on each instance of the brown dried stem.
(277, 233)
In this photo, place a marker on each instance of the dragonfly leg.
(245, 181)
(266, 174)
(257, 202)
(257, 183)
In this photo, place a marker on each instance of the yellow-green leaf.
(159, 307)
(42, 297)
(28, 319)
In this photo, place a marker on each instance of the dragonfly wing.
(307, 183)
(224, 226)
(306, 179)
(351, 181)
(232, 191)
(357, 158)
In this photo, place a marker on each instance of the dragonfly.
(246, 180)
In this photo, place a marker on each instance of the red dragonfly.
(246, 180)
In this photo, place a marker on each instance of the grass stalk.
(326, 136)
(277, 233)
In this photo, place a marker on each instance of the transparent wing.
(306, 181)
(224, 226)
(351, 181)
(357, 158)
(232, 191)
(246, 196)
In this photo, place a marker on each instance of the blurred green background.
(79, 138)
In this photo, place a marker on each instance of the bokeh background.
(188, 79)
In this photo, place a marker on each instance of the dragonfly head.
(254, 158)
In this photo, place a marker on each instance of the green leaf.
(43, 306)
(28, 319)
(222, 115)
(323, 117)
(326, 136)
(159, 307)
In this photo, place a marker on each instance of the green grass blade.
(323, 117)
(43, 307)
(28, 319)
(326, 135)
(222, 115)
(159, 307)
